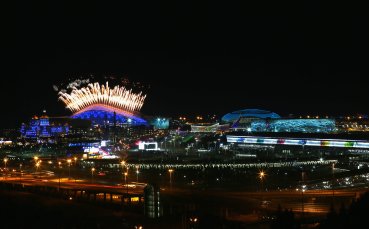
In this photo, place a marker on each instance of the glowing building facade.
(160, 123)
(41, 127)
(254, 120)
(342, 143)
(249, 114)
(294, 125)
(209, 128)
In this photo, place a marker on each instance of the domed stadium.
(250, 113)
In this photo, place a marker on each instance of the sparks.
(94, 94)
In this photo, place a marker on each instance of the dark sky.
(213, 57)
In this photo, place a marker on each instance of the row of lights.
(308, 116)
(348, 117)
(197, 118)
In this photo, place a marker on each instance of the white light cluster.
(94, 94)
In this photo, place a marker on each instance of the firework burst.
(95, 94)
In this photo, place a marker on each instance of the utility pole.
(333, 181)
(302, 194)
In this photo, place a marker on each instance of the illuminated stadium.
(294, 125)
(254, 120)
(248, 113)
(104, 105)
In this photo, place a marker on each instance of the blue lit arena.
(294, 125)
(103, 115)
(103, 105)
(249, 113)
(254, 120)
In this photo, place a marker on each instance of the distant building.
(209, 128)
(152, 206)
(353, 124)
(43, 127)
(287, 125)
(249, 114)
(160, 123)
(254, 120)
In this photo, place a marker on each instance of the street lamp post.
(333, 180)
(5, 161)
(37, 165)
(302, 193)
(137, 172)
(123, 163)
(36, 161)
(75, 161)
(69, 161)
(170, 177)
(59, 175)
(261, 176)
(125, 180)
(92, 175)
(20, 172)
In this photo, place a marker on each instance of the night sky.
(208, 58)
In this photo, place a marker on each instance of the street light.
(75, 161)
(137, 172)
(302, 193)
(36, 161)
(261, 176)
(37, 165)
(125, 180)
(59, 174)
(5, 161)
(170, 177)
(123, 163)
(20, 172)
(92, 175)
(333, 180)
(69, 161)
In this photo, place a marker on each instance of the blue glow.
(160, 123)
(41, 128)
(102, 117)
(294, 125)
(44, 121)
(252, 113)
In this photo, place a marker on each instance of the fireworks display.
(95, 94)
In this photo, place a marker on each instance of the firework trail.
(94, 94)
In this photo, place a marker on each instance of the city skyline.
(185, 114)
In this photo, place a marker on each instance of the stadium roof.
(255, 113)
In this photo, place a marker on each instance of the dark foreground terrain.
(25, 210)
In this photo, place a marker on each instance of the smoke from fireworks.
(94, 94)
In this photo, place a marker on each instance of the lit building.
(353, 123)
(42, 127)
(209, 128)
(152, 206)
(248, 115)
(254, 120)
(160, 123)
(316, 142)
(291, 125)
